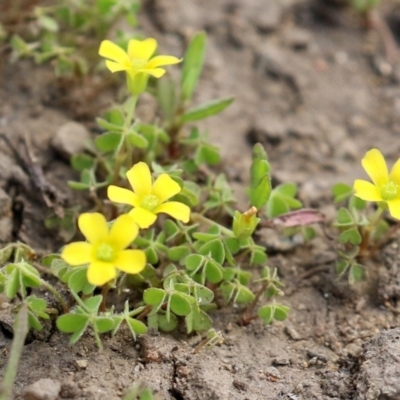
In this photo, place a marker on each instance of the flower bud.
(245, 224)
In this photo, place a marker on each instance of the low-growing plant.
(174, 241)
(362, 233)
(63, 32)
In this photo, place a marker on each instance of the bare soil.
(311, 84)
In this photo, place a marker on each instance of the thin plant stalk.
(21, 329)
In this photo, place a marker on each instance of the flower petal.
(140, 179)
(366, 191)
(115, 67)
(156, 72)
(123, 232)
(395, 173)
(375, 166)
(394, 208)
(99, 273)
(93, 226)
(77, 253)
(143, 217)
(112, 51)
(142, 49)
(165, 187)
(122, 196)
(158, 61)
(131, 261)
(179, 211)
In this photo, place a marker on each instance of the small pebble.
(70, 139)
(274, 372)
(292, 333)
(240, 385)
(315, 354)
(43, 389)
(280, 361)
(353, 350)
(296, 38)
(81, 364)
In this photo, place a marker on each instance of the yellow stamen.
(105, 252)
(150, 202)
(389, 191)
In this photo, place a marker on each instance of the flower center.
(105, 252)
(149, 202)
(389, 191)
(138, 63)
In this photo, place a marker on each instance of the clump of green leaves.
(359, 235)
(18, 277)
(59, 33)
(192, 269)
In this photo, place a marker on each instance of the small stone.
(280, 361)
(240, 385)
(273, 372)
(296, 38)
(70, 139)
(313, 361)
(315, 354)
(43, 389)
(81, 364)
(292, 333)
(183, 371)
(353, 350)
(138, 368)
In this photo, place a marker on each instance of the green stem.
(96, 200)
(196, 217)
(104, 291)
(246, 315)
(97, 336)
(146, 311)
(21, 329)
(375, 219)
(55, 293)
(119, 151)
(130, 111)
(365, 242)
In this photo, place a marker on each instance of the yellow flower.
(137, 61)
(148, 198)
(385, 186)
(104, 250)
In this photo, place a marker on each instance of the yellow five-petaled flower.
(105, 250)
(149, 199)
(137, 61)
(385, 186)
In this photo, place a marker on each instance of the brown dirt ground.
(313, 86)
